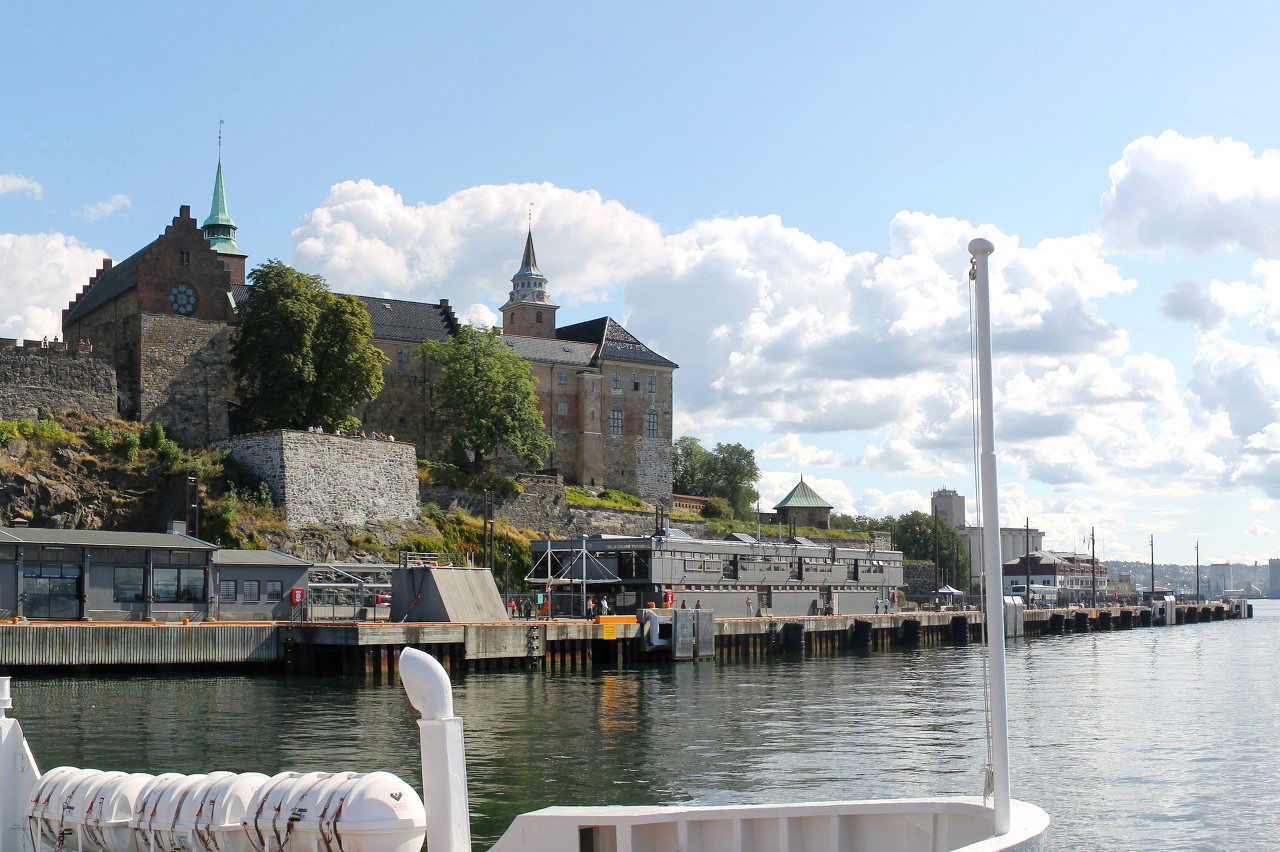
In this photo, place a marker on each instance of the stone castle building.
(163, 318)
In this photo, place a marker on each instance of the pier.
(551, 646)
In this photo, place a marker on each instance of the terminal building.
(1014, 541)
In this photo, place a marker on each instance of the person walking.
(591, 607)
(750, 611)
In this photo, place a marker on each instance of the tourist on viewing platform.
(749, 610)
(684, 604)
(697, 604)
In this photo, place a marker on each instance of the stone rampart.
(332, 480)
(543, 507)
(37, 380)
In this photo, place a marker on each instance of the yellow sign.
(610, 631)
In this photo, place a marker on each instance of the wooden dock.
(553, 646)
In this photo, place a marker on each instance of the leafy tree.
(690, 463)
(733, 473)
(485, 398)
(302, 355)
(729, 472)
(914, 536)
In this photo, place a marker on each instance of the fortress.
(153, 337)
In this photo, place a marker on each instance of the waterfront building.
(1273, 579)
(947, 505)
(671, 569)
(96, 575)
(1075, 576)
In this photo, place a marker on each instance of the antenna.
(220, 123)
(531, 217)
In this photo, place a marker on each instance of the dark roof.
(414, 322)
(395, 319)
(551, 351)
(102, 538)
(110, 283)
(614, 342)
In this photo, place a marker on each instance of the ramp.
(461, 594)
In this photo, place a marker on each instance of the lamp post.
(1153, 570)
(1198, 572)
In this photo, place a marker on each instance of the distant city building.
(949, 506)
(1273, 585)
(1075, 575)
(1014, 541)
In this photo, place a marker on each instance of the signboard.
(610, 631)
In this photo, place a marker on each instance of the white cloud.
(793, 452)
(19, 183)
(39, 275)
(1261, 530)
(1173, 192)
(103, 209)
(1187, 301)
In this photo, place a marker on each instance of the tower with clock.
(162, 315)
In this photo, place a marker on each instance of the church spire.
(219, 229)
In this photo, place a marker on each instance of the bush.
(8, 430)
(169, 451)
(611, 495)
(101, 438)
(717, 507)
(128, 444)
(152, 436)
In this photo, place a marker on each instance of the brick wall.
(35, 381)
(328, 480)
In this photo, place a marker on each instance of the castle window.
(562, 379)
(513, 319)
(537, 317)
(653, 384)
(635, 382)
(615, 421)
(562, 408)
(651, 424)
(617, 381)
(226, 266)
(184, 258)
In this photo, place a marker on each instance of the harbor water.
(1153, 738)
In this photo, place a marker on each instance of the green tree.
(690, 464)
(732, 476)
(485, 399)
(302, 355)
(913, 534)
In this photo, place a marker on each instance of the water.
(1158, 738)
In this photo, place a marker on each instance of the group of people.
(520, 608)
(593, 609)
(357, 433)
(882, 605)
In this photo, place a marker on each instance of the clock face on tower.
(182, 299)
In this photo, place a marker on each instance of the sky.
(778, 197)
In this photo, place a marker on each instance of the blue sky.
(777, 198)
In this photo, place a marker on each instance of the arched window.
(615, 421)
(537, 317)
(651, 424)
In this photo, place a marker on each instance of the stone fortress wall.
(37, 379)
(332, 480)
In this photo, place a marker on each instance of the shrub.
(621, 498)
(717, 507)
(152, 436)
(169, 451)
(101, 438)
(8, 430)
(129, 444)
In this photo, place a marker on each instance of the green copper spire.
(219, 229)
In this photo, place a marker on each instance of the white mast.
(992, 575)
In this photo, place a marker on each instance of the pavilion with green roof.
(804, 508)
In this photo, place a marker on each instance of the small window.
(615, 420)
(537, 317)
(512, 320)
(562, 379)
(617, 381)
(635, 382)
(653, 384)
(651, 424)
(275, 591)
(226, 266)
(562, 408)
(127, 585)
(227, 591)
(251, 591)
